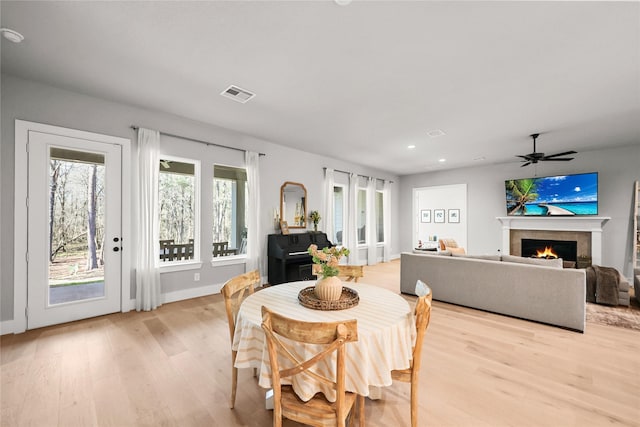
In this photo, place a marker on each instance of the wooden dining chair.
(234, 291)
(351, 273)
(410, 375)
(332, 336)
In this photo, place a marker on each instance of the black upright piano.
(289, 260)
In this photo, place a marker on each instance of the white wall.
(441, 198)
(27, 100)
(618, 169)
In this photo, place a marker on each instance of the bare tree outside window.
(76, 216)
(230, 199)
(177, 206)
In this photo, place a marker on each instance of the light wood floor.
(171, 367)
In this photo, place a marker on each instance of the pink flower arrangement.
(328, 258)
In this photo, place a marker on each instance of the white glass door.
(74, 232)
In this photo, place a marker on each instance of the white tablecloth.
(386, 331)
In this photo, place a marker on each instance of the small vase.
(315, 228)
(329, 288)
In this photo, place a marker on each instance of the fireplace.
(565, 249)
(586, 230)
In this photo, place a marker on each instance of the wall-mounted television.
(553, 195)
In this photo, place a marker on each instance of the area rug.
(622, 317)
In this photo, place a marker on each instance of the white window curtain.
(253, 240)
(147, 221)
(386, 209)
(350, 239)
(372, 232)
(329, 208)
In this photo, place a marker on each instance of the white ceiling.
(358, 82)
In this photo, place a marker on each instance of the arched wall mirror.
(293, 204)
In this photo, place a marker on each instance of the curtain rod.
(364, 176)
(134, 127)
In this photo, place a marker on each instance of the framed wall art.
(425, 215)
(454, 215)
(438, 215)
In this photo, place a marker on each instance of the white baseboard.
(184, 294)
(191, 293)
(7, 327)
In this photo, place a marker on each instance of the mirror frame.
(290, 221)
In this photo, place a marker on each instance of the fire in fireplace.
(538, 248)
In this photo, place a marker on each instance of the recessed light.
(411, 147)
(480, 158)
(435, 133)
(342, 2)
(442, 160)
(11, 35)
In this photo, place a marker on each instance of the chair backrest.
(234, 291)
(423, 317)
(243, 246)
(222, 249)
(332, 336)
(352, 273)
(165, 249)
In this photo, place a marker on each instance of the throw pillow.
(555, 263)
(456, 250)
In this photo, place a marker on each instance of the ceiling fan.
(540, 157)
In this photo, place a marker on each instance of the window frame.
(379, 222)
(345, 205)
(230, 259)
(366, 239)
(196, 262)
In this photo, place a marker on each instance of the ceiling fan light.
(11, 35)
(536, 156)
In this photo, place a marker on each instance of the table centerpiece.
(329, 286)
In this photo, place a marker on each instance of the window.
(229, 211)
(338, 214)
(177, 197)
(379, 217)
(362, 216)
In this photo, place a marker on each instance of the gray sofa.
(555, 296)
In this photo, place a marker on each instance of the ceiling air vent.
(237, 94)
(435, 133)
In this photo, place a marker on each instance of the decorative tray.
(348, 299)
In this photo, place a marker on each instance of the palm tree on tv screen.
(519, 193)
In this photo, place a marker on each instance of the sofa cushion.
(555, 263)
(456, 251)
(487, 257)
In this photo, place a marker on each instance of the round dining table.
(386, 333)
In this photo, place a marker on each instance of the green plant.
(328, 258)
(314, 216)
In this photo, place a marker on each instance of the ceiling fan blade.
(563, 159)
(527, 157)
(561, 154)
(526, 164)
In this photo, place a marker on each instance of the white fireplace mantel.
(592, 224)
